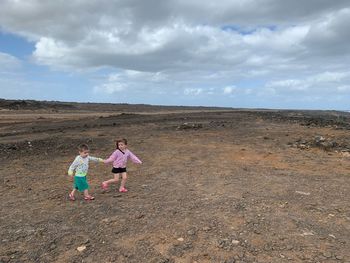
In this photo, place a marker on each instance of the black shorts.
(118, 170)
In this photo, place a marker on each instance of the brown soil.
(215, 186)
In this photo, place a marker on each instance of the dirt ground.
(215, 186)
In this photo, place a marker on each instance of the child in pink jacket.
(119, 159)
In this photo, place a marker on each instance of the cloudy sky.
(236, 53)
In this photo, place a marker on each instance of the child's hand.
(71, 177)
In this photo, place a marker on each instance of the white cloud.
(8, 62)
(278, 48)
(345, 88)
(193, 91)
(229, 89)
(282, 40)
(179, 36)
(329, 77)
(330, 35)
(110, 88)
(292, 84)
(112, 85)
(326, 83)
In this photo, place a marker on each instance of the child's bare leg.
(124, 177)
(71, 195)
(112, 181)
(73, 192)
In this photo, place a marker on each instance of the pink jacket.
(120, 158)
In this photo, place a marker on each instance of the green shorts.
(80, 183)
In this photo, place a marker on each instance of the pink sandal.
(71, 197)
(123, 190)
(88, 198)
(104, 186)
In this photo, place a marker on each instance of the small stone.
(327, 254)
(346, 154)
(5, 259)
(306, 256)
(307, 233)
(257, 231)
(206, 228)
(339, 257)
(139, 215)
(53, 246)
(191, 232)
(180, 239)
(235, 242)
(302, 146)
(302, 193)
(81, 248)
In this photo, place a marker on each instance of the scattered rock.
(191, 232)
(289, 247)
(81, 248)
(179, 249)
(206, 228)
(307, 233)
(139, 215)
(345, 154)
(302, 193)
(339, 257)
(188, 126)
(235, 242)
(327, 254)
(227, 244)
(105, 221)
(321, 143)
(53, 246)
(303, 146)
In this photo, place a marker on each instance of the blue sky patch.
(15, 45)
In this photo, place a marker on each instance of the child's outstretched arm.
(111, 158)
(73, 166)
(134, 158)
(95, 159)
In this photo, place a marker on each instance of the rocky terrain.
(216, 184)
